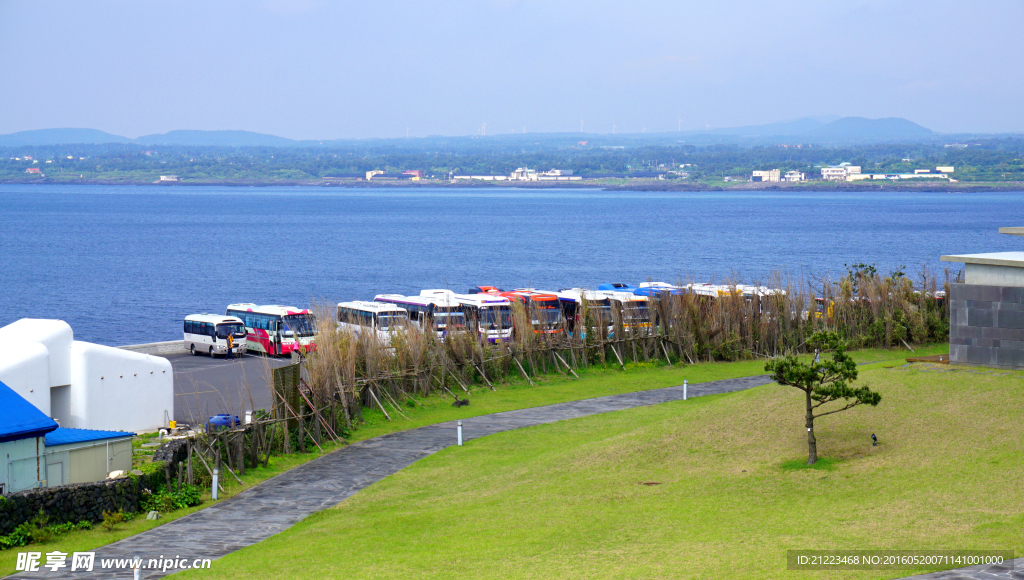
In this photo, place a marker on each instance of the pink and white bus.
(274, 329)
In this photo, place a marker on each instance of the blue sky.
(311, 69)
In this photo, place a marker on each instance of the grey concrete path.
(278, 503)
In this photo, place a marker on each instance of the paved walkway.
(276, 504)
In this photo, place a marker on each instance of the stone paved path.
(278, 503)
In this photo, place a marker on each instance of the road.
(204, 387)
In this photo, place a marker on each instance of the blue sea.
(124, 264)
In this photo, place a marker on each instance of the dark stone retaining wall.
(172, 452)
(986, 326)
(69, 503)
(87, 501)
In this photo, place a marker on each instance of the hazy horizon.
(308, 69)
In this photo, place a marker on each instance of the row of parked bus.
(484, 310)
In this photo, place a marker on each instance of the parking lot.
(205, 386)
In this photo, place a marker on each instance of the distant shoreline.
(651, 185)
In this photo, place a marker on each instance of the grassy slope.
(516, 395)
(564, 500)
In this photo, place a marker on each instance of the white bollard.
(137, 568)
(685, 385)
(248, 417)
(460, 433)
(216, 477)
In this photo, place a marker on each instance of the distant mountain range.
(195, 138)
(830, 129)
(837, 129)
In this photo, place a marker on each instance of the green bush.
(166, 501)
(21, 536)
(111, 519)
(152, 477)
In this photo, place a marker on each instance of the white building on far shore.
(773, 175)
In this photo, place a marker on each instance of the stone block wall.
(69, 503)
(986, 326)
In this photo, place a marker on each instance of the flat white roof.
(214, 318)
(368, 306)
(1012, 259)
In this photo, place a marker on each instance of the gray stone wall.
(69, 503)
(986, 326)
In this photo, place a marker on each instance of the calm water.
(124, 265)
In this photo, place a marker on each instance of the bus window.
(233, 329)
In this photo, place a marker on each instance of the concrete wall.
(158, 348)
(986, 325)
(25, 368)
(20, 464)
(993, 275)
(55, 335)
(90, 461)
(114, 389)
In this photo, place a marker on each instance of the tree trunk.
(812, 443)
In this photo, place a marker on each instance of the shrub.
(21, 536)
(166, 501)
(111, 519)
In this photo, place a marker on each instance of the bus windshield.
(449, 319)
(298, 325)
(386, 322)
(635, 314)
(547, 315)
(500, 316)
(236, 329)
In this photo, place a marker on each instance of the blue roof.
(19, 419)
(65, 435)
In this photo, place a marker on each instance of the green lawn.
(566, 500)
(595, 382)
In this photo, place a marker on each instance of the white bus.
(490, 316)
(274, 329)
(208, 333)
(440, 312)
(631, 309)
(571, 299)
(379, 319)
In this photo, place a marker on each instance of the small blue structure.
(22, 447)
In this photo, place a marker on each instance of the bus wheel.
(211, 353)
(192, 349)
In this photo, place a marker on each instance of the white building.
(795, 176)
(84, 385)
(558, 175)
(772, 175)
(840, 173)
(481, 177)
(524, 174)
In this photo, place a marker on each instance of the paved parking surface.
(204, 387)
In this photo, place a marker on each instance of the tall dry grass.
(352, 370)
